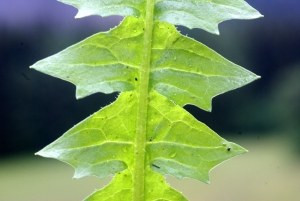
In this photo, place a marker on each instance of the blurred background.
(263, 117)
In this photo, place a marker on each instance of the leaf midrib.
(142, 110)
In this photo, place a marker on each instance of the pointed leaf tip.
(185, 147)
(189, 72)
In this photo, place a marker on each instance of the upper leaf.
(182, 69)
(107, 7)
(106, 62)
(188, 72)
(204, 14)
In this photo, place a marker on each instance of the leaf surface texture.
(146, 133)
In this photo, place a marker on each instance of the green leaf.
(204, 14)
(182, 146)
(177, 144)
(146, 133)
(182, 69)
(88, 145)
(106, 62)
(107, 8)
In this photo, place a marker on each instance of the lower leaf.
(177, 144)
(121, 189)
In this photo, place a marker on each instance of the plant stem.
(143, 93)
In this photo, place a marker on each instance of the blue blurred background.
(263, 116)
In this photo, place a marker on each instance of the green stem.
(143, 93)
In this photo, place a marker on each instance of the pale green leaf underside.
(177, 144)
(182, 69)
(204, 14)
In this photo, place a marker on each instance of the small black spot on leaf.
(155, 166)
